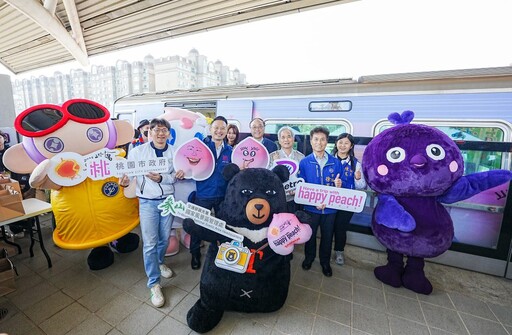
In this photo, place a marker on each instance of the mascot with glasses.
(89, 213)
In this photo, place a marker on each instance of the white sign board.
(333, 197)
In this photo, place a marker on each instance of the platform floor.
(71, 299)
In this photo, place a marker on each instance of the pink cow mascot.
(185, 125)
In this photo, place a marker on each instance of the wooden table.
(33, 208)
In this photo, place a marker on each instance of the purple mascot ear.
(405, 118)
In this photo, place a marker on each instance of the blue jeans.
(155, 237)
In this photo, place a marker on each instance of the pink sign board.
(250, 153)
(195, 159)
(285, 231)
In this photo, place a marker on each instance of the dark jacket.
(270, 145)
(215, 185)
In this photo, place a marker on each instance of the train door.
(508, 214)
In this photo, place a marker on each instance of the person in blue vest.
(257, 126)
(320, 168)
(351, 178)
(210, 192)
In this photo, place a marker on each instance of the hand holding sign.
(200, 215)
(322, 196)
(285, 231)
(195, 159)
(70, 168)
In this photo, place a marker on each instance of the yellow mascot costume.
(89, 213)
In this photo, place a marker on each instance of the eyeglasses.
(41, 120)
(160, 130)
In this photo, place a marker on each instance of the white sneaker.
(157, 298)
(340, 258)
(165, 271)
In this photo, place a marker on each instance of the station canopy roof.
(36, 34)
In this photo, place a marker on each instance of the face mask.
(145, 132)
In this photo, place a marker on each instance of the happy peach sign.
(333, 197)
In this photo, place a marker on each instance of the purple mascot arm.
(468, 186)
(391, 214)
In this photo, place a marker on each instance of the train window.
(130, 117)
(330, 106)
(302, 129)
(207, 108)
(476, 160)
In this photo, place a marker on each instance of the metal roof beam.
(50, 6)
(37, 13)
(74, 22)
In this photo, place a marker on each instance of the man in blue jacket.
(320, 168)
(210, 192)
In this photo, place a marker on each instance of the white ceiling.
(35, 34)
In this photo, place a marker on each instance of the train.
(472, 106)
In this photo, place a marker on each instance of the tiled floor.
(71, 299)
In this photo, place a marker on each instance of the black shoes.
(306, 264)
(196, 261)
(326, 270)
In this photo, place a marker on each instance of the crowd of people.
(339, 169)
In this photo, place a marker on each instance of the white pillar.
(7, 112)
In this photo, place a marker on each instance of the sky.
(345, 41)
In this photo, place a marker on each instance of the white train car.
(474, 107)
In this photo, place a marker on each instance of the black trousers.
(326, 224)
(340, 229)
(292, 207)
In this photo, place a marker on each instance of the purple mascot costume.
(415, 168)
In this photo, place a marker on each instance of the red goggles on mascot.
(42, 120)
